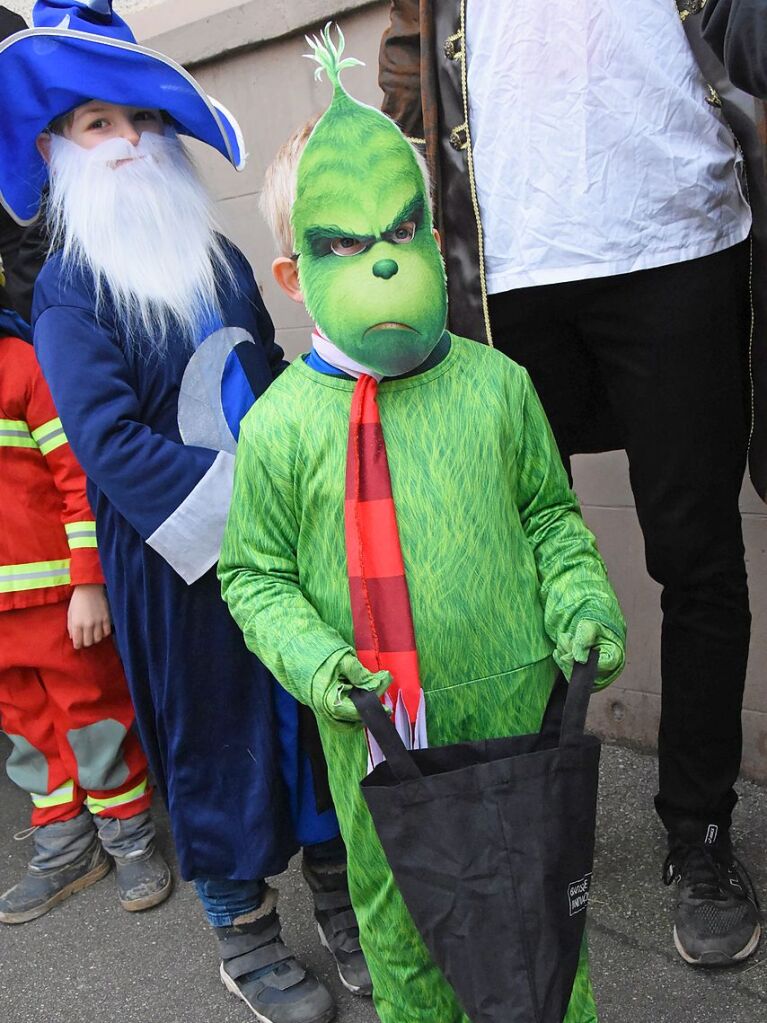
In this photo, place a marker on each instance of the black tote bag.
(492, 844)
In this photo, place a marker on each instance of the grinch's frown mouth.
(390, 325)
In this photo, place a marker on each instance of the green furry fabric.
(498, 560)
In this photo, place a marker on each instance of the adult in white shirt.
(591, 196)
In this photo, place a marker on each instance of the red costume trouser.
(69, 717)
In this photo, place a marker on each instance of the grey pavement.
(89, 962)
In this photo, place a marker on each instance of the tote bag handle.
(577, 703)
(568, 723)
(380, 726)
(564, 720)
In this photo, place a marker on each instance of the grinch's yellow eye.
(404, 233)
(348, 246)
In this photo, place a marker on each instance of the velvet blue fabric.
(12, 325)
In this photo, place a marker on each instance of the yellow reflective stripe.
(49, 436)
(34, 575)
(14, 433)
(63, 794)
(83, 542)
(79, 543)
(17, 442)
(81, 534)
(97, 804)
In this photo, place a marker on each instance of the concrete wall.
(249, 56)
(125, 8)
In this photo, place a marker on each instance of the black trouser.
(666, 349)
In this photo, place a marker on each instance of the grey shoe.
(337, 924)
(143, 877)
(258, 968)
(41, 890)
(716, 918)
(143, 880)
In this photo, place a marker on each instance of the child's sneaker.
(337, 924)
(717, 918)
(143, 880)
(42, 889)
(143, 877)
(258, 968)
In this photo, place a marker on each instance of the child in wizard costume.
(154, 340)
(401, 521)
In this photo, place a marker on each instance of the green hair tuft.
(328, 55)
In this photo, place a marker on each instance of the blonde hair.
(279, 191)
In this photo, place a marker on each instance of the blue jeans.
(224, 900)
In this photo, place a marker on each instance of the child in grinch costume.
(401, 520)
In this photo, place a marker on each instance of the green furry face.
(369, 266)
(370, 269)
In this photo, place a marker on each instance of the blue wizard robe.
(156, 435)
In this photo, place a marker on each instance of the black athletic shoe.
(337, 924)
(258, 968)
(716, 918)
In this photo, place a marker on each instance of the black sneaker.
(716, 918)
(258, 968)
(337, 924)
(41, 890)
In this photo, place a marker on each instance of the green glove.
(348, 674)
(572, 647)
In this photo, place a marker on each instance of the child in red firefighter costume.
(64, 703)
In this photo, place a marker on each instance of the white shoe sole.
(717, 958)
(354, 989)
(231, 986)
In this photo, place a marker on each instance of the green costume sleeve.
(573, 578)
(260, 583)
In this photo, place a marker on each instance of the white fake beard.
(145, 229)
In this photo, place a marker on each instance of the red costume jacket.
(47, 530)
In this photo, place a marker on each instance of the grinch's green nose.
(385, 268)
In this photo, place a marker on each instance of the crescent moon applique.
(201, 417)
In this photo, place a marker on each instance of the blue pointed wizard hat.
(80, 50)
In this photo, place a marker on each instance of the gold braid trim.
(473, 185)
(688, 7)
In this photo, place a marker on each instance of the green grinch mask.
(369, 266)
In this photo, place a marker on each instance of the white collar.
(326, 350)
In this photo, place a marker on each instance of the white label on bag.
(578, 894)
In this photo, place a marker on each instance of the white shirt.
(596, 151)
